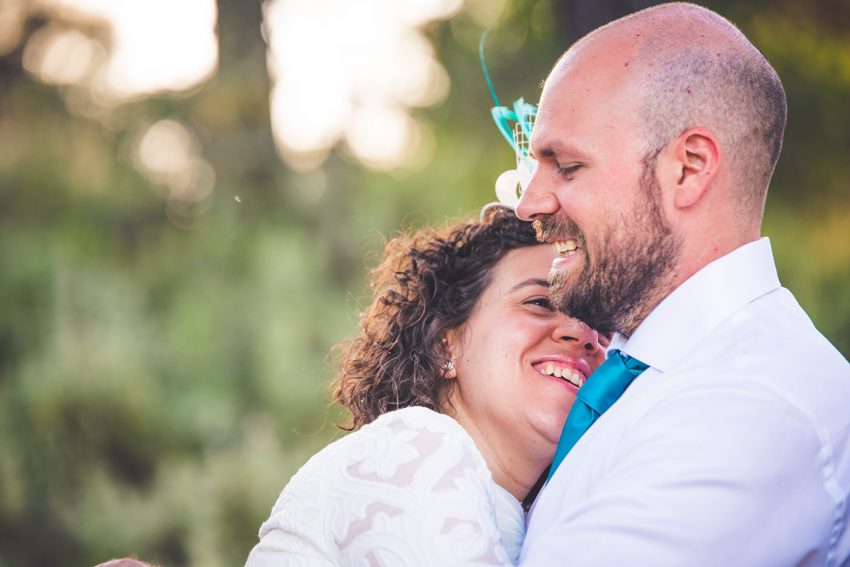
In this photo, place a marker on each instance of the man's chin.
(561, 286)
(579, 301)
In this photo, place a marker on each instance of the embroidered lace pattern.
(408, 489)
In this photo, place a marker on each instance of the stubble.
(629, 271)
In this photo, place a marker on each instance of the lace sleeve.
(408, 489)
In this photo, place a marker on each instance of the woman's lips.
(573, 370)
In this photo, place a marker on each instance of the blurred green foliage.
(160, 381)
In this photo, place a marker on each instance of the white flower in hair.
(508, 190)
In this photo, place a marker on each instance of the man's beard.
(625, 279)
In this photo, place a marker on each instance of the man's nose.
(537, 199)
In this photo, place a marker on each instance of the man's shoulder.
(772, 347)
(769, 332)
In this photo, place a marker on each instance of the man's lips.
(565, 247)
(565, 250)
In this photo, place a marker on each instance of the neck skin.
(515, 463)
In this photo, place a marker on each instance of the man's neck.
(688, 265)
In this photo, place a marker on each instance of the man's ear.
(692, 164)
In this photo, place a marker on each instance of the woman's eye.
(541, 302)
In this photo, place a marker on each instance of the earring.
(449, 368)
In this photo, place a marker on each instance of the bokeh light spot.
(346, 70)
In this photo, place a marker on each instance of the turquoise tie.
(599, 393)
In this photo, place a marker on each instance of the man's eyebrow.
(544, 153)
(530, 282)
(558, 149)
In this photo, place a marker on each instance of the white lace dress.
(408, 489)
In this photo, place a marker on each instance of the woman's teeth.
(565, 247)
(566, 373)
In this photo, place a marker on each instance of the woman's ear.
(691, 166)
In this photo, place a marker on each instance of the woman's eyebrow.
(530, 282)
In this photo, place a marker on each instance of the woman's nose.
(573, 330)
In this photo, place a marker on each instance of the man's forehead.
(553, 118)
(580, 84)
(572, 114)
(565, 83)
(603, 55)
(562, 97)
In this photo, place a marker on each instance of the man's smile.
(564, 248)
(564, 252)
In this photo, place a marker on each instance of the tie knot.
(630, 362)
(610, 380)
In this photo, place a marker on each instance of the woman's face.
(519, 362)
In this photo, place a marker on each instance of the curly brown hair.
(427, 284)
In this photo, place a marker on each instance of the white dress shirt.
(732, 449)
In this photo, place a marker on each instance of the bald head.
(685, 66)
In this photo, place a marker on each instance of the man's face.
(595, 196)
(613, 284)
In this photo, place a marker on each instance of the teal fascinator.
(515, 124)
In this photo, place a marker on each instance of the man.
(656, 138)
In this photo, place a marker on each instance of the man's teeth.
(566, 373)
(565, 247)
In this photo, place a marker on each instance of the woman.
(458, 384)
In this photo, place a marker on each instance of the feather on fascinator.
(515, 125)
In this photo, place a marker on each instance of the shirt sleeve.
(409, 489)
(689, 481)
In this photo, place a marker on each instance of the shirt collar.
(685, 317)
